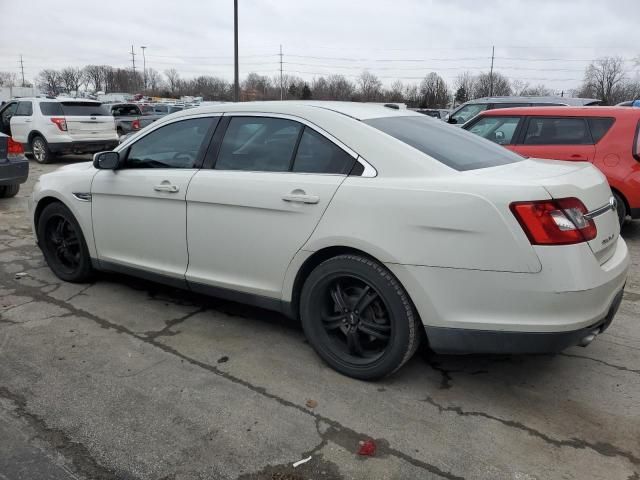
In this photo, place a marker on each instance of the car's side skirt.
(210, 290)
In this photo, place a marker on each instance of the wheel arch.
(624, 199)
(33, 134)
(315, 259)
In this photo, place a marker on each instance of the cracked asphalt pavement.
(126, 379)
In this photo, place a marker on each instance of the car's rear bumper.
(464, 341)
(489, 311)
(14, 171)
(83, 146)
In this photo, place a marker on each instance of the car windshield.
(467, 112)
(454, 147)
(84, 109)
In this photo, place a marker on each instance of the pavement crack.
(597, 360)
(75, 452)
(169, 324)
(81, 292)
(602, 448)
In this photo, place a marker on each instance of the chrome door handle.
(163, 187)
(27, 121)
(301, 198)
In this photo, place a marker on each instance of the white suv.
(49, 126)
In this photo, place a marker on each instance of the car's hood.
(74, 167)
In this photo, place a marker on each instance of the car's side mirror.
(452, 120)
(106, 160)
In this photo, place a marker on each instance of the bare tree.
(536, 91)
(340, 88)
(50, 81)
(604, 79)
(434, 92)
(256, 87)
(487, 84)
(464, 85)
(395, 93)
(8, 79)
(370, 87)
(154, 80)
(411, 95)
(71, 79)
(173, 79)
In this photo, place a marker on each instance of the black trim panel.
(83, 146)
(14, 172)
(140, 273)
(462, 341)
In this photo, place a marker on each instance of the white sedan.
(379, 228)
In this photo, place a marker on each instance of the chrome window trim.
(612, 205)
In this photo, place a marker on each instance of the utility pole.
(133, 64)
(22, 69)
(281, 96)
(493, 53)
(236, 81)
(144, 68)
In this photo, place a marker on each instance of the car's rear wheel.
(358, 318)
(621, 208)
(7, 191)
(40, 150)
(63, 244)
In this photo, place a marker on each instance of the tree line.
(605, 78)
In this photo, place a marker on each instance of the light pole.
(144, 68)
(236, 82)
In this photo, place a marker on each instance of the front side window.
(259, 144)
(316, 154)
(467, 112)
(454, 147)
(557, 131)
(176, 145)
(499, 130)
(25, 109)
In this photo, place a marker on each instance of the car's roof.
(356, 110)
(576, 101)
(563, 111)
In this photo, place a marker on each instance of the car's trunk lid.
(570, 179)
(88, 121)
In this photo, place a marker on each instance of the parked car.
(163, 109)
(48, 126)
(469, 110)
(129, 117)
(608, 137)
(439, 113)
(368, 223)
(14, 167)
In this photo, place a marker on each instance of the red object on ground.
(367, 448)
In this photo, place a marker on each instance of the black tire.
(40, 150)
(120, 131)
(63, 244)
(8, 191)
(373, 300)
(621, 208)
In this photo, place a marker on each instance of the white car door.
(139, 210)
(21, 121)
(248, 215)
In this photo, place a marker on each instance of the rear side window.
(599, 127)
(258, 144)
(557, 131)
(83, 109)
(497, 129)
(51, 109)
(316, 154)
(25, 109)
(455, 147)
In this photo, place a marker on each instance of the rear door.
(88, 121)
(21, 121)
(248, 215)
(558, 138)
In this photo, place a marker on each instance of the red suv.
(608, 137)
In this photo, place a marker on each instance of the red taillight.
(636, 143)
(60, 122)
(135, 125)
(14, 148)
(555, 222)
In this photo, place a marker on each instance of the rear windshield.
(83, 109)
(125, 110)
(456, 148)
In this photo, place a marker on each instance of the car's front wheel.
(8, 191)
(40, 150)
(63, 244)
(358, 318)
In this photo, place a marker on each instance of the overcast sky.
(540, 41)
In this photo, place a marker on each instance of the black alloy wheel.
(358, 317)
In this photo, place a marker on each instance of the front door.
(139, 210)
(559, 138)
(6, 112)
(249, 215)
